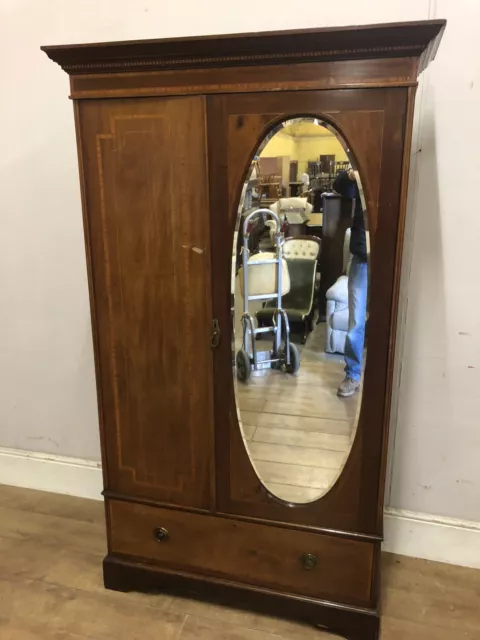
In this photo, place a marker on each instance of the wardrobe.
(166, 133)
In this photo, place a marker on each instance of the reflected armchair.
(301, 255)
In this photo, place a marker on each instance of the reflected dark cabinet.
(327, 163)
(166, 132)
(337, 218)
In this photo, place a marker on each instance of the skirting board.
(48, 472)
(419, 535)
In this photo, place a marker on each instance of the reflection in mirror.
(299, 285)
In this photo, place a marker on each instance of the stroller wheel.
(243, 365)
(294, 365)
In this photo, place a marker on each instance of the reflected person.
(346, 185)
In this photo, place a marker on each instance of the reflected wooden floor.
(51, 550)
(298, 431)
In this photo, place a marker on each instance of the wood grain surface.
(147, 234)
(244, 552)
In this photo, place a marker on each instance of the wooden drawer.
(253, 554)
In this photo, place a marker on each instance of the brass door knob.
(161, 534)
(309, 561)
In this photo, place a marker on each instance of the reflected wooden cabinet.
(166, 132)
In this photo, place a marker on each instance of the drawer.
(285, 560)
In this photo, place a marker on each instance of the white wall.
(46, 366)
(436, 465)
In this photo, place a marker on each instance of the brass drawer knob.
(161, 534)
(309, 561)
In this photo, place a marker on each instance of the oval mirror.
(299, 285)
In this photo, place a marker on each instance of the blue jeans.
(357, 312)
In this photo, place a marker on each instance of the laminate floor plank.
(305, 456)
(252, 403)
(394, 629)
(404, 572)
(23, 631)
(315, 425)
(250, 417)
(328, 407)
(239, 620)
(207, 629)
(64, 567)
(53, 530)
(248, 431)
(63, 506)
(62, 610)
(298, 438)
(294, 474)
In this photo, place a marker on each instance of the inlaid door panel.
(147, 232)
(371, 124)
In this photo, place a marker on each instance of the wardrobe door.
(371, 123)
(145, 201)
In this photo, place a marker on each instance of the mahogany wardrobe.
(167, 131)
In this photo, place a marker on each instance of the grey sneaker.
(348, 388)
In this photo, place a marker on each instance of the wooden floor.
(51, 548)
(297, 430)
